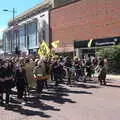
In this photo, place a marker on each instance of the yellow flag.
(44, 49)
(90, 43)
(55, 43)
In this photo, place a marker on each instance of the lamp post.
(13, 13)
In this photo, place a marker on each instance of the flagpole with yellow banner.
(55, 43)
(44, 50)
(90, 43)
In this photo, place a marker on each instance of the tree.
(113, 56)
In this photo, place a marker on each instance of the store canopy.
(97, 42)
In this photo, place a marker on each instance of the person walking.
(39, 74)
(77, 66)
(56, 68)
(29, 66)
(2, 79)
(21, 81)
(68, 66)
(102, 73)
(89, 68)
(9, 81)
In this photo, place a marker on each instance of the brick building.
(84, 20)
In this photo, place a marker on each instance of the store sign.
(97, 42)
(106, 42)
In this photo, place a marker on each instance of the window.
(14, 40)
(32, 35)
(22, 37)
(43, 30)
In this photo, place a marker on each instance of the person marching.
(56, 68)
(21, 80)
(77, 69)
(29, 66)
(9, 80)
(39, 73)
(89, 68)
(2, 79)
(68, 66)
(102, 73)
(47, 71)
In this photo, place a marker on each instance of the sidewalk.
(110, 76)
(113, 77)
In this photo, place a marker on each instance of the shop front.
(82, 49)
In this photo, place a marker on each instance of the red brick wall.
(85, 19)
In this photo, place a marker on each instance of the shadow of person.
(115, 86)
(36, 103)
(27, 112)
(58, 95)
(84, 85)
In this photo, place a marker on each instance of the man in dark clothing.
(2, 79)
(21, 80)
(8, 84)
(102, 73)
(68, 65)
(77, 66)
(89, 68)
(56, 68)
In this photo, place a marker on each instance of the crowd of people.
(34, 72)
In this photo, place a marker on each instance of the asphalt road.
(82, 101)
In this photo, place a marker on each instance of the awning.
(64, 49)
(97, 42)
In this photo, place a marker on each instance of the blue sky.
(19, 5)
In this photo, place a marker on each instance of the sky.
(19, 5)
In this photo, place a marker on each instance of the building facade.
(27, 30)
(83, 20)
(57, 3)
(0, 45)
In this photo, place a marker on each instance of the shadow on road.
(115, 86)
(84, 85)
(59, 94)
(27, 112)
(35, 105)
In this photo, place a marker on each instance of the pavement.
(115, 77)
(81, 101)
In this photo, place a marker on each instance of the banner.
(55, 43)
(44, 49)
(90, 43)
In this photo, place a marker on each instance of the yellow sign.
(55, 43)
(90, 43)
(44, 49)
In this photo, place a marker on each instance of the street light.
(13, 12)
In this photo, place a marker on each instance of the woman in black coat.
(21, 81)
(2, 79)
(9, 79)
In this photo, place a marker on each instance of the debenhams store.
(82, 48)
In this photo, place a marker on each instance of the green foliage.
(113, 56)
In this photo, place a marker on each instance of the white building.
(28, 29)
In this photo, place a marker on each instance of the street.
(81, 101)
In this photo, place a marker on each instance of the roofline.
(29, 11)
(66, 4)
